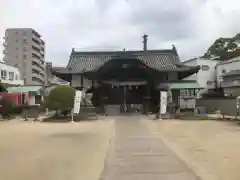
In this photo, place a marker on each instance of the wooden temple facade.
(126, 78)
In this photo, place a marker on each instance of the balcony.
(36, 34)
(36, 41)
(42, 53)
(234, 83)
(35, 55)
(37, 74)
(37, 66)
(36, 50)
(37, 79)
(38, 63)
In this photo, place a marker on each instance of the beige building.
(24, 49)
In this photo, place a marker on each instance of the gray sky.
(192, 25)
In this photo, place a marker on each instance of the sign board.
(77, 102)
(163, 102)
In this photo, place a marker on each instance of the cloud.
(192, 25)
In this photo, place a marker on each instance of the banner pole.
(72, 116)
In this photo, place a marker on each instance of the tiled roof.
(182, 84)
(89, 61)
(56, 80)
(23, 89)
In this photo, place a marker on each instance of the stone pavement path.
(136, 154)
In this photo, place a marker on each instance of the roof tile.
(87, 61)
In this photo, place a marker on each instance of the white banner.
(77, 102)
(163, 102)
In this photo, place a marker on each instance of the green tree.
(2, 88)
(7, 107)
(60, 99)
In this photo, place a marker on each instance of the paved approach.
(136, 154)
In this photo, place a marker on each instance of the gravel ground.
(53, 151)
(210, 148)
(60, 151)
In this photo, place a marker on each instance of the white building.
(25, 48)
(206, 76)
(10, 75)
(228, 76)
(225, 67)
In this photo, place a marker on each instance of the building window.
(16, 48)
(187, 92)
(205, 67)
(24, 56)
(4, 74)
(11, 76)
(16, 32)
(16, 40)
(16, 77)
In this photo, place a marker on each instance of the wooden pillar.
(147, 100)
(81, 83)
(71, 77)
(124, 100)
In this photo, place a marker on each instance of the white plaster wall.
(17, 78)
(204, 76)
(76, 80)
(31, 100)
(191, 63)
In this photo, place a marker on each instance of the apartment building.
(25, 49)
(228, 76)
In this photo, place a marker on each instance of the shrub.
(60, 99)
(7, 107)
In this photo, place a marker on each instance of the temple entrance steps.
(117, 110)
